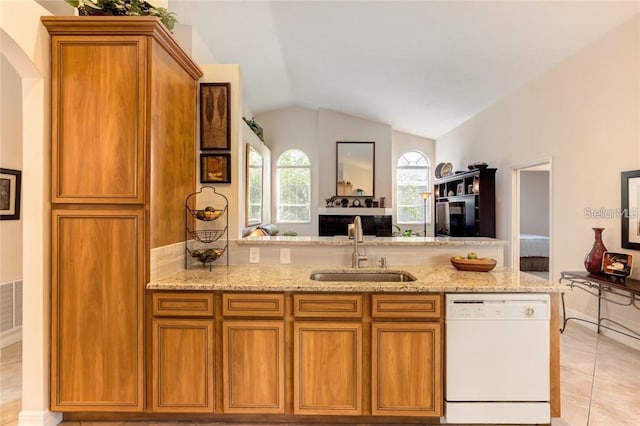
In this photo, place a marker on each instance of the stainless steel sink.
(362, 276)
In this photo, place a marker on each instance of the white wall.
(10, 158)
(316, 132)
(294, 128)
(584, 114)
(401, 143)
(333, 127)
(534, 202)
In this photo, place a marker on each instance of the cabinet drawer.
(253, 305)
(406, 306)
(182, 305)
(327, 306)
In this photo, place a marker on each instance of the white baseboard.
(10, 337)
(39, 418)
(625, 340)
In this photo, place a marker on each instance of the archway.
(36, 230)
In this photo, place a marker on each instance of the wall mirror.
(355, 169)
(254, 186)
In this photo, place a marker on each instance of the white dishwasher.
(497, 358)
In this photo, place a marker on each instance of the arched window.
(293, 177)
(412, 178)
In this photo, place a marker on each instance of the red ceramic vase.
(593, 259)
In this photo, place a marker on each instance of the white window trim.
(278, 204)
(429, 188)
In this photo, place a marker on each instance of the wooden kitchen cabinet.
(327, 355)
(183, 365)
(406, 369)
(333, 356)
(406, 377)
(253, 361)
(97, 310)
(122, 160)
(253, 353)
(327, 368)
(183, 357)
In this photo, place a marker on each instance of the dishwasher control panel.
(497, 306)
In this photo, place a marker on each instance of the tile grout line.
(593, 378)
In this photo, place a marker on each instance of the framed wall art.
(630, 184)
(10, 183)
(215, 121)
(215, 168)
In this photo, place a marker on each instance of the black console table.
(601, 286)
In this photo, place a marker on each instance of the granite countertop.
(373, 241)
(289, 278)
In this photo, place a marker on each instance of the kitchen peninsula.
(273, 341)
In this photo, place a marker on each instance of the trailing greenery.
(124, 8)
(257, 129)
(406, 233)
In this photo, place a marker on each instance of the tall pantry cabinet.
(123, 97)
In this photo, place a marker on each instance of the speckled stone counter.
(372, 241)
(296, 278)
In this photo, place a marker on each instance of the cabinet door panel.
(327, 363)
(253, 363)
(407, 370)
(183, 365)
(98, 90)
(172, 135)
(97, 281)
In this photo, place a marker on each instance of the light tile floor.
(599, 381)
(10, 383)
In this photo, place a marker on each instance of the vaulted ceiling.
(423, 67)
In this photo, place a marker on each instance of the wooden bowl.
(475, 265)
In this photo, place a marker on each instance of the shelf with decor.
(465, 204)
(206, 227)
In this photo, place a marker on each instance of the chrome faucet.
(358, 237)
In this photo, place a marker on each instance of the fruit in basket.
(472, 255)
(478, 265)
(206, 255)
(210, 213)
(210, 254)
(200, 214)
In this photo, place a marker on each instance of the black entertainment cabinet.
(466, 204)
(331, 225)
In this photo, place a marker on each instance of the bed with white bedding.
(534, 252)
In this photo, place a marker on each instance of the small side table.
(601, 287)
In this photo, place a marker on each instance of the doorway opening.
(531, 223)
